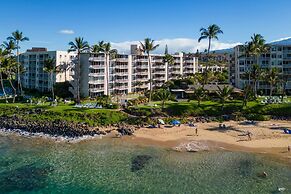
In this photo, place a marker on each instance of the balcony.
(96, 82)
(123, 60)
(141, 60)
(96, 66)
(121, 66)
(159, 72)
(121, 73)
(159, 78)
(141, 67)
(158, 61)
(121, 80)
(96, 58)
(121, 87)
(96, 74)
(159, 66)
(96, 89)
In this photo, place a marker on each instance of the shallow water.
(30, 165)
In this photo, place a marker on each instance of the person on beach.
(289, 148)
(196, 131)
(249, 135)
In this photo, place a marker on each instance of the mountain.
(284, 41)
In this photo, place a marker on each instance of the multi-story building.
(279, 56)
(34, 76)
(217, 61)
(129, 73)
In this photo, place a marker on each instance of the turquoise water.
(112, 166)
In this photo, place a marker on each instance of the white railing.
(96, 58)
(96, 82)
(97, 66)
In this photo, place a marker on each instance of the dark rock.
(139, 162)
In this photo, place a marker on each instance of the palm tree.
(64, 68)
(18, 37)
(9, 46)
(50, 68)
(199, 94)
(147, 46)
(210, 33)
(258, 46)
(283, 80)
(255, 75)
(108, 53)
(272, 77)
(168, 60)
(10, 66)
(247, 92)
(163, 95)
(79, 46)
(224, 94)
(3, 55)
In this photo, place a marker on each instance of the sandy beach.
(266, 136)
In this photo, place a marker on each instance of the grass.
(105, 117)
(214, 108)
(92, 117)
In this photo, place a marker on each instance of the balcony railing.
(96, 82)
(96, 74)
(96, 58)
(96, 66)
(96, 89)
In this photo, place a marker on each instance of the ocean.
(35, 165)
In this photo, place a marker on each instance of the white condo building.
(279, 56)
(33, 63)
(129, 73)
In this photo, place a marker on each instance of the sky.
(54, 23)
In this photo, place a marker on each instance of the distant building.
(33, 63)
(279, 56)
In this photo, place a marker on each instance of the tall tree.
(18, 37)
(271, 76)
(3, 54)
(210, 33)
(255, 75)
(50, 68)
(147, 47)
(79, 46)
(199, 94)
(10, 66)
(163, 95)
(248, 94)
(256, 47)
(168, 60)
(224, 94)
(9, 46)
(105, 48)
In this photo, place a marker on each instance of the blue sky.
(123, 21)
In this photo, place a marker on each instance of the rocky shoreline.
(56, 129)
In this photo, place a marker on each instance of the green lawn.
(214, 108)
(93, 117)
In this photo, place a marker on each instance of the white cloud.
(66, 31)
(177, 45)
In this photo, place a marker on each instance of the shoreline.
(267, 137)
